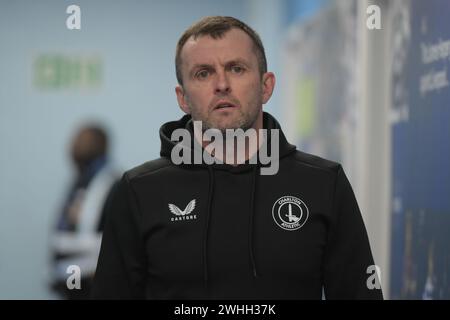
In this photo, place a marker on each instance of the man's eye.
(202, 74)
(237, 69)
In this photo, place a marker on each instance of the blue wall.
(135, 42)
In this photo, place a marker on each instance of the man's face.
(84, 148)
(222, 84)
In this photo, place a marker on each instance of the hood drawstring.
(252, 213)
(206, 229)
(167, 146)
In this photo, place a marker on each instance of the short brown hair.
(216, 27)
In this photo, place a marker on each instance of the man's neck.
(232, 152)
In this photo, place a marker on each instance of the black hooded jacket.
(226, 232)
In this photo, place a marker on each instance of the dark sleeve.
(348, 253)
(121, 266)
(109, 198)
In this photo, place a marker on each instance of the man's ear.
(268, 84)
(181, 99)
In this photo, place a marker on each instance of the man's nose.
(222, 83)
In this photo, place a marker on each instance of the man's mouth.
(224, 105)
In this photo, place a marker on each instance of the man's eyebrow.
(237, 61)
(227, 64)
(201, 65)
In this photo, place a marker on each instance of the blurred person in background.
(76, 238)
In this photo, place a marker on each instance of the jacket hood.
(269, 123)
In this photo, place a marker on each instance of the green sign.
(58, 71)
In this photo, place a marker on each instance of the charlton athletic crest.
(290, 213)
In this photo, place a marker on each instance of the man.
(224, 230)
(77, 236)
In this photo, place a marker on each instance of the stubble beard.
(244, 120)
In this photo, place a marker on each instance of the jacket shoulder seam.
(332, 168)
(147, 168)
